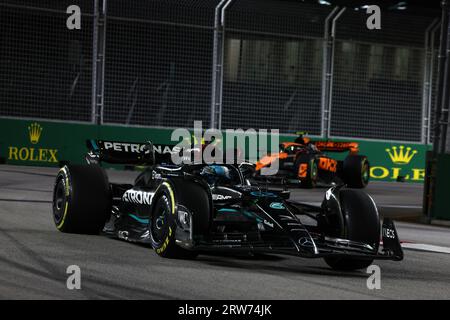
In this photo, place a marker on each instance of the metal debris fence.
(230, 63)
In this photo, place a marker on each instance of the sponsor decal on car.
(277, 205)
(389, 233)
(122, 234)
(302, 170)
(305, 242)
(328, 164)
(267, 223)
(220, 197)
(263, 194)
(137, 196)
(124, 146)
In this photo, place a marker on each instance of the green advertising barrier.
(440, 207)
(44, 143)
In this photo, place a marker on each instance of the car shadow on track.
(264, 265)
(262, 262)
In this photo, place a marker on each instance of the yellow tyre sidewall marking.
(172, 196)
(64, 216)
(67, 188)
(172, 201)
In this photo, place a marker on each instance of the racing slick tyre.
(306, 169)
(163, 222)
(356, 171)
(81, 199)
(361, 223)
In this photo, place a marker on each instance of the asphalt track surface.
(34, 256)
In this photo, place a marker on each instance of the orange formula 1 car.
(305, 162)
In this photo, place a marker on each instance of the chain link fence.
(159, 66)
(432, 98)
(273, 66)
(378, 77)
(45, 69)
(158, 62)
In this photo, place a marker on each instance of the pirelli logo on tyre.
(33, 152)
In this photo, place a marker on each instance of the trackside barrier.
(43, 143)
(288, 65)
(440, 206)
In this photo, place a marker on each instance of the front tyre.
(163, 225)
(306, 169)
(361, 223)
(81, 199)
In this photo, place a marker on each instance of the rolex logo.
(400, 155)
(34, 131)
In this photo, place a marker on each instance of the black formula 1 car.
(184, 210)
(305, 163)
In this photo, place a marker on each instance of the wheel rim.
(59, 199)
(159, 223)
(313, 171)
(365, 173)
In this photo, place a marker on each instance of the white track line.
(425, 247)
(379, 205)
(398, 206)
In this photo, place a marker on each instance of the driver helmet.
(213, 173)
(301, 139)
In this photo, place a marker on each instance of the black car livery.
(185, 210)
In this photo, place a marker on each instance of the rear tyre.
(356, 171)
(306, 170)
(361, 223)
(81, 199)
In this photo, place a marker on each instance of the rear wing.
(147, 153)
(120, 152)
(133, 153)
(332, 146)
